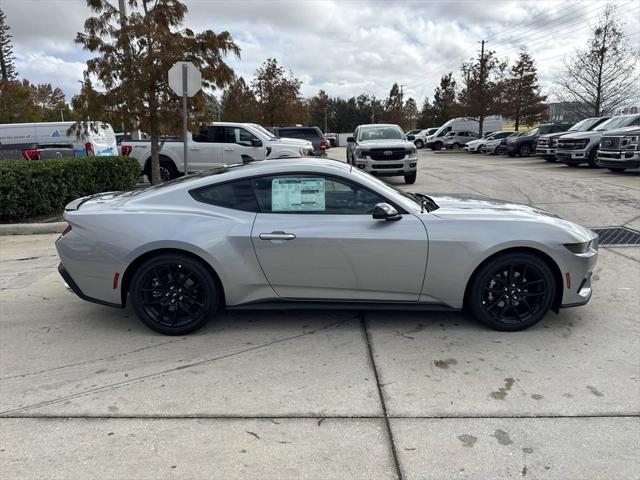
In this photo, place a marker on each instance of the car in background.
(332, 138)
(467, 124)
(36, 151)
(478, 145)
(421, 136)
(619, 150)
(413, 132)
(455, 140)
(498, 146)
(525, 145)
(319, 234)
(311, 134)
(547, 143)
(383, 149)
(582, 147)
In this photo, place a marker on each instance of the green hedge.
(43, 187)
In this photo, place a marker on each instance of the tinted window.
(635, 122)
(238, 135)
(237, 195)
(314, 194)
(299, 132)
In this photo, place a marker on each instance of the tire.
(437, 146)
(419, 143)
(617, 170)
(192, 296)
(592, 158)
(410, 178)
(524, 150)
(168, 170)
(530, 288)
(550, 159)
(455, 146)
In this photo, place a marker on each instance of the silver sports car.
(318, 234)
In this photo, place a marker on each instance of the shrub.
(43, 187)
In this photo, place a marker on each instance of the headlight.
(582, 247)
(305, 152)
(630, 141)
(414, 151)
(360, 153)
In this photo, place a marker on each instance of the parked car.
(214, 145)
(332, 138)
(96, 139)
(421, 136)
(383, 149)
(475, 146)
(525, 145)
(547, 143)
(582, 147)
(498, 146)
(311, 134)
(619, 150)
(413, 132)
(36, 151)
(318, 234)
(435, 140)
(455, 139)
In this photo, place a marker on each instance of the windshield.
(533, 131)
(615, 122)
(261, 129)
(584, 125)
(386, 132)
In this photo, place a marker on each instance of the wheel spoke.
(495, 303)
(532, 282)
(534, 294)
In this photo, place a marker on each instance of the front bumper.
(573, 157)
(577, 270)
(546, 151)
(388, 168)
(618, 159)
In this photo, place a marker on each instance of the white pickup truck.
(219, 143)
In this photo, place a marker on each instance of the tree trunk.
(480, 125)
(154, 127)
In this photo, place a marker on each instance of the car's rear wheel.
(512, 292)
(419, 143)
(174, 294)
(617, 170)
(410, 178)
(455, 146)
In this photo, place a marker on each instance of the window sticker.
(297, 195)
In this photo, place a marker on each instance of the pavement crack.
(142, 378)
(394, 453)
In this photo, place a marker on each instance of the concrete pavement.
(88, 392)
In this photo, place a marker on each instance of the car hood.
(580, 135)
(384, 143)
(557, 134)
(520, 139)
(292, 142)
(466, 207)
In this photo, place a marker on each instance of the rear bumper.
(76, 289)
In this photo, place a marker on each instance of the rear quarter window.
(235, 195)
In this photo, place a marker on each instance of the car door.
(205, 150)
(240, 145)
(315, 238)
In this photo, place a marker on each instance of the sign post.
(185, 80)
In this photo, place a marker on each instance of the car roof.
(379, 125)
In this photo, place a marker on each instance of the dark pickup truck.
(548, 143)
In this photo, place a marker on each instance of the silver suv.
(456, 139)
(384, 150)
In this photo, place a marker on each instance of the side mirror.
(384, 211)
(351, 140)
(411, 138)
(256, 142)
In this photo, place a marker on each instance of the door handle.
(194, 149)
(229, 149)
(277, 236)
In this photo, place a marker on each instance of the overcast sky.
(343, 47)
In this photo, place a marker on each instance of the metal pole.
(184, 119)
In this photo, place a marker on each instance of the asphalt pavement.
(87, 391)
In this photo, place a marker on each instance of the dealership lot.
(89, 391)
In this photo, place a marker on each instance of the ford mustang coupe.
(318, 234)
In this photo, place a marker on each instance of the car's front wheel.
(174, 294)
(410, 178)
(419, 143)
(524, 150)
(617, 170)
(437, 146)
(512, 292)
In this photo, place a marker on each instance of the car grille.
(543, 142)
(554, 142)
(610, 143)
(389, 166)
(388, 153)
(572, 144)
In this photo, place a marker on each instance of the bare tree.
(602, 77)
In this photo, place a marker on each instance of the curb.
(31, 228)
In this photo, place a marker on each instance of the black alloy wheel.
(174, 294)
(512, 292)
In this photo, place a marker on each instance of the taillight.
(31, 153)
(126, 150)
(66, 230)
(323, 145)
(89, 148)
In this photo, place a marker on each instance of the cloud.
(344, 47)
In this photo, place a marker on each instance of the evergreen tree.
(7, 66)
(278, 95)
(239, 103)
(394, 111)
(410, 113)
(522, 99)
(427, 116)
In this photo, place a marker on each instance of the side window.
(236, 195)
(238, 135)
(313, 194)
(635, 122)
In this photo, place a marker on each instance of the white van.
(99, 140)
(466, 124)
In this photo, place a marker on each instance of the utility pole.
(482, 87)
